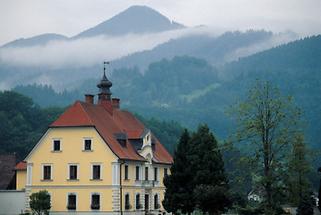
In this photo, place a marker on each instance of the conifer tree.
(178, 195)
(209, 180)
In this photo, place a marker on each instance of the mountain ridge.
(135, 19)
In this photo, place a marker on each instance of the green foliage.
(299, 167)
(40, 203)
(211, 199)
(22, 123)
(179, 184)
(306, 206)
(267, 122)
(197, 179)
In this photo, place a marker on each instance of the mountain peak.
(135, 19)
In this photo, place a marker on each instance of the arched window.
(137, 201)
(156, 202)
(127, 202)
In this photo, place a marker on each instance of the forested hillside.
(189, 90)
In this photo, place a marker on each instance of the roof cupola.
(104, 86)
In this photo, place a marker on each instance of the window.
(95, 201)
(137, 173)
(96, 171)
(56, 145)
(155, 174)
(72, 202)
(127, 204)
(87, 145)
(46, 172)
(126, 172)
(137, 201)
(165, 172)
(156, 203)
(146, 173)
(73, 172)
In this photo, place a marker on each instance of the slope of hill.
(136, 19)
(217, 50)
(39, 40)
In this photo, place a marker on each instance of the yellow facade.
(72, 152)
(21, 179)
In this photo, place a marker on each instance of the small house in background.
(97, 158)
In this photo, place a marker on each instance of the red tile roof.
(22, 165)
(108, 122)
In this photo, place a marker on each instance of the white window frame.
(127, 179)
(91, 198)
(68, 171)
(42, 171)
(156, 194)
(53, 144)
(140, 200)
(91, 144)
(139, 173)
(72, 193)
(92, 170)
(157, 174)
(127, 193)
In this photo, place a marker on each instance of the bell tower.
(104, 87)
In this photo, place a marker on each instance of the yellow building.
(97, 158)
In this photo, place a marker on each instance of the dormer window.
(87, 145)
(56, 146)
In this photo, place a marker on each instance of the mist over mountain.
(38, 40)
(217, 50)
(190, 90)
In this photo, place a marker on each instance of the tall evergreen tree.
(178, 195)
(209, 180)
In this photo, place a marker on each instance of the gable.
(72, 145)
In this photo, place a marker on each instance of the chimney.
(89, 98)
(116, 103)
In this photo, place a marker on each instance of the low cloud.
(87, 51)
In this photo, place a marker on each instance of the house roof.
(109, 122)
(22, 165)
(7, 164)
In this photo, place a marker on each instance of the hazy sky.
(25, 18)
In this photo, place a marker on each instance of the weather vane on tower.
(105, 63)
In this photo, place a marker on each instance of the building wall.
(21, 179)
(72, 140)
(12, 202)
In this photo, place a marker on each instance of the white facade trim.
(92, 170)
(72, 193)
(51, 170)
(68, 171)
(91, 144)
(115, 173)
(100, 201)
(53, 145)
(29, 174)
